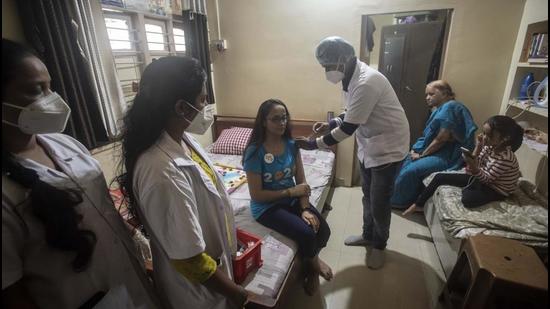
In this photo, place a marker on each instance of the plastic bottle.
(523, 91)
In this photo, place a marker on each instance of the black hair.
(54, 207)
(12, 55)
(510, 131)
(257, 137)
(163, 83)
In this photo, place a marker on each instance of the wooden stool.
(494, 272)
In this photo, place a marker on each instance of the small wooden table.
(494, 272)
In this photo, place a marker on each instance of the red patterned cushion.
(232, 141)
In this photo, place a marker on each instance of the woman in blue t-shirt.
(273, 163)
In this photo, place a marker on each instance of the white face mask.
(48, 114)
(202, 121)
(334, 76)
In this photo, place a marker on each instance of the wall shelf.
(532, 156)
(533, 65)
(530, 108)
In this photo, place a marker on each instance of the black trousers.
(474, 193)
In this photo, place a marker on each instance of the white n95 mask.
(48, 114)
(202, 121)
(334, 76)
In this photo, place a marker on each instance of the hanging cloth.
(195, 28)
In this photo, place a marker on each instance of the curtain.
(51, 29)
(95, 45)
(196, 41)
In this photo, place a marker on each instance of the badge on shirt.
(269, 158)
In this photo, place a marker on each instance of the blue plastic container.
(524, 94)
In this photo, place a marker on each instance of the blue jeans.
(287, 220)
(377, 190)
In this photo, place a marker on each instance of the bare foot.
(409, 210)
(324, 270)
(311, 284)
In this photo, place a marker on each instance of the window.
(129, 72)
(127, 31)
(155, 34)
(118, 30)
(126, 56)
(179, 40)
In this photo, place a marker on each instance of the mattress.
(447, 247)
(523, 216)
(278, 251)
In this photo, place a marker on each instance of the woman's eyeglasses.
(279, 119)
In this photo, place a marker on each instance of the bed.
(523, 216)
(280, 265)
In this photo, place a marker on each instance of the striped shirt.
(499, 171)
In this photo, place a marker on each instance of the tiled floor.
(411, 278)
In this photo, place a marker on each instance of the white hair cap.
(334, 49)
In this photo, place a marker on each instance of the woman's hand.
(302, 189)
(304, 202)
(306, 143)
(311, 220)
(415, 156)
(471, 164)
(480, 139)
(240, 298)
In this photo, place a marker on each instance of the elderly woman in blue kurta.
(449, 127)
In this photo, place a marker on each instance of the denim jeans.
(287, 220)
(377, 186)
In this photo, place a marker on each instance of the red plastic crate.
(251, 257)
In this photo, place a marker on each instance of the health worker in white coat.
(175, 191)
(64, 245)
(375, 115)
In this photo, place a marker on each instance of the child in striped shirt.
(492, 170)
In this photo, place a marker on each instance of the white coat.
(383, 134)
(185, 214)
(115, 266)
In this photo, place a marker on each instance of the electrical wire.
(530, 102)
(471, 181)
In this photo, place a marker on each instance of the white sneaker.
(376, 259)
(356, 240)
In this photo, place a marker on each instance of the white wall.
(272, 43)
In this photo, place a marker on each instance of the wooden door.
(420, 53)
(408, 67)
(392, 53)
